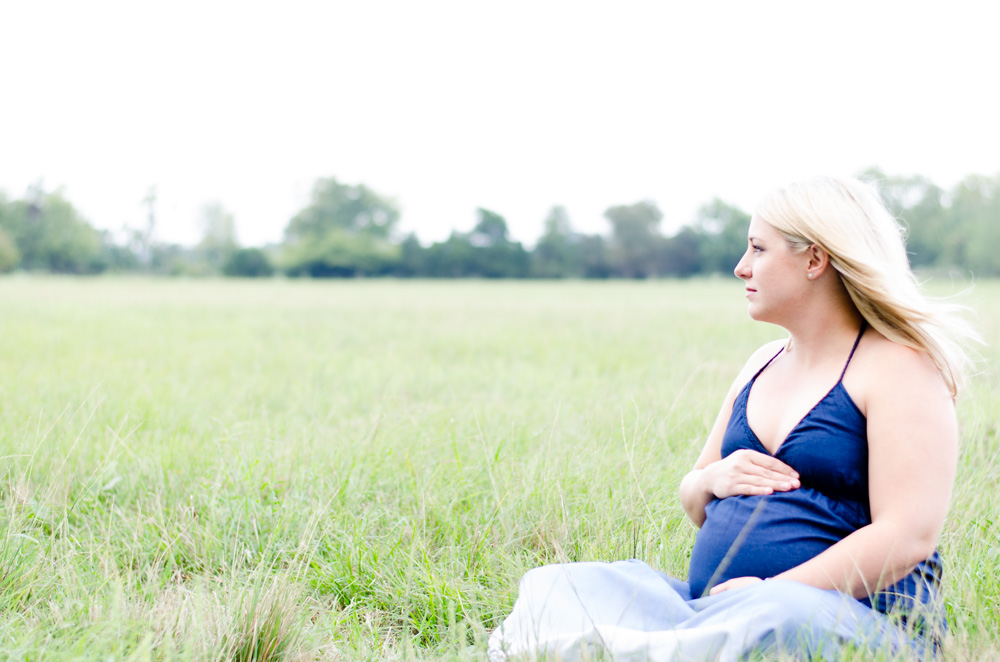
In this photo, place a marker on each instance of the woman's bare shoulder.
(889, 369)
(758, 359)
(886, 356)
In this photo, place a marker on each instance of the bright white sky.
(514, 106)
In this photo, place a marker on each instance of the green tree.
(344, 231)
(10, 257)
(142, 242)
(722, 229)
(453, 258)
(218, 236)
(594, 256)
(918, 203)
(635, 238)
(341, 207)
(115, 256)
(173, 260)
(248, 263)
(495, 255)
(412, 258)
(50, 234)
(974, 222)
(680, 255)
(557, 253)
(339, 254)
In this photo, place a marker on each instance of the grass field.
(363, 470)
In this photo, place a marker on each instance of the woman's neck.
(825, 321)
(811, 341)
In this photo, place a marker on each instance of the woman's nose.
(742, 270)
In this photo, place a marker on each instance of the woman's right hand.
(743, 472)
(747, 472)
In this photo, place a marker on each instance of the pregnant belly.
(762, 536)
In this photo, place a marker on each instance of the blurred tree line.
(350, 230)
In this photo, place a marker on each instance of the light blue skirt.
(628, 611)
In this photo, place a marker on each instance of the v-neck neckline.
(840, 383)
(777, 450)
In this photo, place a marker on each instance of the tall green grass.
(363, 470)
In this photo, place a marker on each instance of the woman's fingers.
(772, 464)
(752, 490)
(734, 583)
(773, 472)
(747, 472)
(780, 481)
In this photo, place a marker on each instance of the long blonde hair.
(846, 218)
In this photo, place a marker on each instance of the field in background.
(352, 470)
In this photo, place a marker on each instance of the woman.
(828, 470)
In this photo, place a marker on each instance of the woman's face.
(776, 278)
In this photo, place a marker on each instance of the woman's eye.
(756, 249)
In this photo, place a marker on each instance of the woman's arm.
(912, 454)
(743, 472)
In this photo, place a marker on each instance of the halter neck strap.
(857, 341)
(764, 367)
(864, 325)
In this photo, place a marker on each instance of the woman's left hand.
(735, 582)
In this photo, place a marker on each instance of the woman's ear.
(818, 260)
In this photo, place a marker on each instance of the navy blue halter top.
(763, 536)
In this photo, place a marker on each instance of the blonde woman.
(828, 470)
